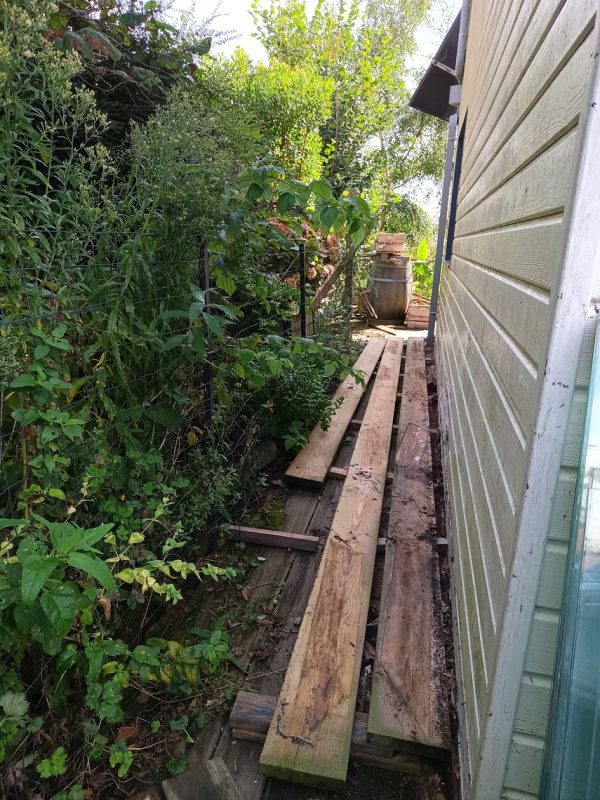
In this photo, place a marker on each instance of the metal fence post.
(302, 257)
(207, 378)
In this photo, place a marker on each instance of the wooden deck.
(326, 660)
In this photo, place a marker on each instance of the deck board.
(408, 696)
(310, 734)
(312, 463)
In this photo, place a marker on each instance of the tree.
(288, 105)
(131, 55)
(362, 48)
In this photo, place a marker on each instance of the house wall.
(527, 76)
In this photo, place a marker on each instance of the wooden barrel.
(391, 288)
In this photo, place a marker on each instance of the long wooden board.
(252, 714)
(408, 695)
(312, 463)
(310, 735)
(292, 541)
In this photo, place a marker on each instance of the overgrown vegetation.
(132, 161)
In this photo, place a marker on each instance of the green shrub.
(288, 386)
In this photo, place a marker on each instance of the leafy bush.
(291, 386)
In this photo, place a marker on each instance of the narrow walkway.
(414, 756)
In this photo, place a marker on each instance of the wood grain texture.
(409, 695)
(252, 714)
(314, 460)
(293, 541)
(310, 735)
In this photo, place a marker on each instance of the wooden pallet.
(312, 463)
(309, 738)
(408, 695)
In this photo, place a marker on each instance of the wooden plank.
(316, 457)
(212, 780)
(310, 735)
(252, 715)
(341, 474)
(409, 695)
(293, 541)
(356, 423)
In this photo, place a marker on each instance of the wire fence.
(125, 363)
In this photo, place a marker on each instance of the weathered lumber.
(252, 714)
(408, 695)
(340, 474)
(212, 780)
(293, 541)
(356, 423)
(310, 735)
(313, 461)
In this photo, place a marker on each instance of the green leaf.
(36, 571)
(245, 357)
(285, 202)
(14, 704)
(40, 351)
(93, 535)
(26, 416)
(90, 565)
(173, 342)
(65, 537)
(328, 217)
(11, 523)
(254, 192)
(358, 236)
(132, 19)
(61, 605)
(362, 204)
(57, 493)
(202, 47)
(321, 189)
(54, 766)
(225, 283)
(167, 61)
(423, 250)
(23, 382)
(177, 765)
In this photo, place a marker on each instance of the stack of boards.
(312, 729)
